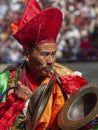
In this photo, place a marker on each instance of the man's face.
(41, 58)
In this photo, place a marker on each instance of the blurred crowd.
(78, 37)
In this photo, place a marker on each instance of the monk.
(36, 89)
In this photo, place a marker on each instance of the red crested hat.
(37, 26)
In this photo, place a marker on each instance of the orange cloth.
(14, 27)
(49, 116)
(32, 84)
(25, 1)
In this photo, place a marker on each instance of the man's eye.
(44, 54)
(47, 53)
(54, 53)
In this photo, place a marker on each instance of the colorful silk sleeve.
(3, 84)
(71, 83)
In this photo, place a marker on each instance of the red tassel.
(9, 110)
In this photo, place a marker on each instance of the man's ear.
(26, 54)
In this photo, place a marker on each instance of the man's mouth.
(47, 69)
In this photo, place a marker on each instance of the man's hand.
(22, 91)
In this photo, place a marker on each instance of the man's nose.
(50, 59)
